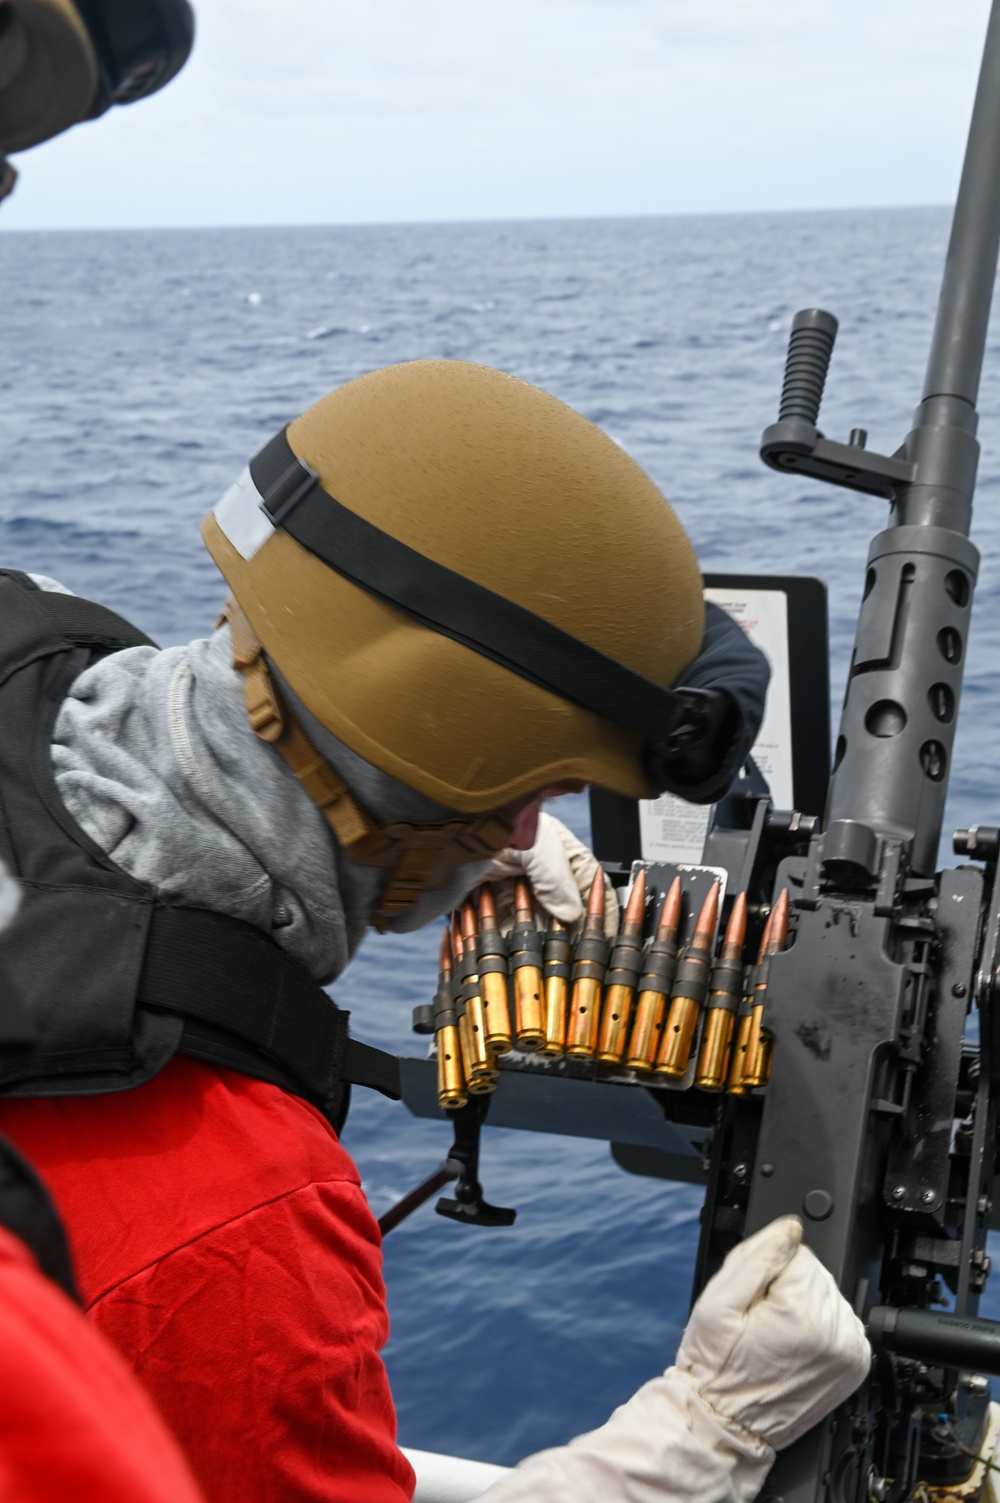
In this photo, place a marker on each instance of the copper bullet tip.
(595, 903)
(765, 937)
(736, 929)
(457, 945)
(556, 926)
(704, 929)
(636, 905)
(670, 913)
(523, 906)
(779, 924)
(444, 954)
(487, 907)
(469, 926)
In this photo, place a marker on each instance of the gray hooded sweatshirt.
(156, 760)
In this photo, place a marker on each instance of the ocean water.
(139, 371)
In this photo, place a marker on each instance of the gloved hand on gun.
(559, 869)
(771, 1347)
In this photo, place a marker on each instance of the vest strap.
(234, 988)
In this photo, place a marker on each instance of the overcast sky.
(356, 111)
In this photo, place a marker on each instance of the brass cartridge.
(458, 1002)
(555, 974)
(759, 1043)
(654, 985)
(623, 974)
(480, 1071)
(526, 972)
(688, 992)
(491, 958)
(737, 1066)
(725, 993)
(590, 962)
(451, 1076)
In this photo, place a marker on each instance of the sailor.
(205, 833)
(211, 828)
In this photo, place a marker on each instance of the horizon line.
(457, 222)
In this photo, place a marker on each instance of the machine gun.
(879, 1121)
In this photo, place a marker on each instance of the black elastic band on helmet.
(454, 605)
(458, 607)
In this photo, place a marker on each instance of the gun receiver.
(879, 1122)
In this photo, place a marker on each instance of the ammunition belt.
(444, 1007)
(691, 976)
(489, 944)
(761, 972)
(557, 968)
(489, 964)
(625, 964)
(591, 958)
(727, 985)
(658, 971)
(525, 947)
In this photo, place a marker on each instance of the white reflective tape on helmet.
(241, 516)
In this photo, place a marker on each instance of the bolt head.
(928, 1197)
(818, 1204)
(898, 1192)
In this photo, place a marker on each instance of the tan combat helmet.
(466, 582)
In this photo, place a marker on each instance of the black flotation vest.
(115, 980)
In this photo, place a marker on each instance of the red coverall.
(224, 1245)
(74, 1424)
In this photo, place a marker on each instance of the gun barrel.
(959, 339)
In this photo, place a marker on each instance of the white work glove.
(559, 868)
(772, 1344)
(770, 1348)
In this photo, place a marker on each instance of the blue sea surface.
(139, 371)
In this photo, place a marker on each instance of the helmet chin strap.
(415, 857)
